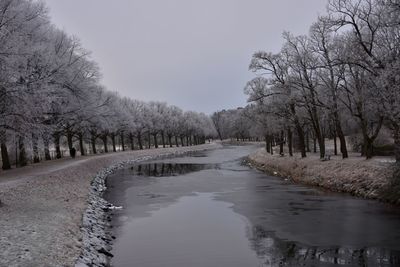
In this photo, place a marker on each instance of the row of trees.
(234, 124)
(345, 70)
(50, 94)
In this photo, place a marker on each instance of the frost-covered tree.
(327, 47)
(344, 71)
(373, 30)
(22, 30)
(279, 85)
(51, 99)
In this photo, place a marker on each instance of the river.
(209, 209)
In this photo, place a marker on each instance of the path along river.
(209, 209)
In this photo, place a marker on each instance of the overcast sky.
(193, 54)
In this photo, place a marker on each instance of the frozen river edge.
(96, 237)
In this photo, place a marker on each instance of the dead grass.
(355, 175)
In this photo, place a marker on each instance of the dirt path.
(44, 167)
(42, 207)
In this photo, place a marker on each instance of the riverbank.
(41, 211)
(363, 178)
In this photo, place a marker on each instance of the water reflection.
(167, 169)
(277, 252)
(194, 231)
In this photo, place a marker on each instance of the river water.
(209, 209)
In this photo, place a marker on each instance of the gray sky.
(193, 54)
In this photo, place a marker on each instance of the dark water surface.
(208, 209)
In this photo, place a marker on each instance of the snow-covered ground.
(355, 175)
(42, 206)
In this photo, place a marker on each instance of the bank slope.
(363, 178)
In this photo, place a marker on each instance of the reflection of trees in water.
(276, 252)
(166, 169)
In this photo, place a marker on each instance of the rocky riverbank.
(41, 212)
(363, 178)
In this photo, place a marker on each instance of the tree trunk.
(342, 138)
(69, 141)
(369, 140)
(368, 147)
(155, 141)
(57, 145)
(163, 138)
(35, 148)
(4, 152)
(321, 144)
(281, 142)
(170, 140)
(318, 135)
(300, 131)
(267, 144)
(93, 138)
(308, 141)
(104, 138)
(23, 161)
(290, 141)
(81, 146)
(335, 145)
(314, 144)
(315, 121)
(139, 137)
(46, 144)
(336, 116)
(272, 145)
(219, 133)
(131, 140)
(333, 136)
(182, 143)
(122, 141)
(113, 142)
(300, 134)
(149, 140)
(176, 141)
